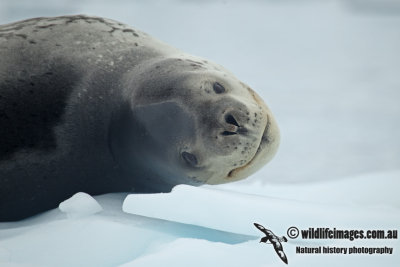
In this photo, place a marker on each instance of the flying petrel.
(274, 240)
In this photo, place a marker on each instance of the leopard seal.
(90, 104)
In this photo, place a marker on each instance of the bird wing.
(279, 250)
(283, 239)
(261, 228)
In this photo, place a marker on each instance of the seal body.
(90, 104)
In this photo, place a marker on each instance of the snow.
(80, 205)
(329, 70)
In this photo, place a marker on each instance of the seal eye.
(218, 88)
(189, 158)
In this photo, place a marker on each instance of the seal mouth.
(263, 142)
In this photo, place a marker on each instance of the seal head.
(195, 123)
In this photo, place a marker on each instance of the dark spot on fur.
(46, 26)
(22, 35)
(131, 31)
(194, 62)
(113, 29)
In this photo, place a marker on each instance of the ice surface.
(204, 207)
(80, 205)
(193, 253)
(368, 190)
(329, 70)
(115, 238)
(200, 253)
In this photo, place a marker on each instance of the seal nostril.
(231, 120)
(228, 133)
